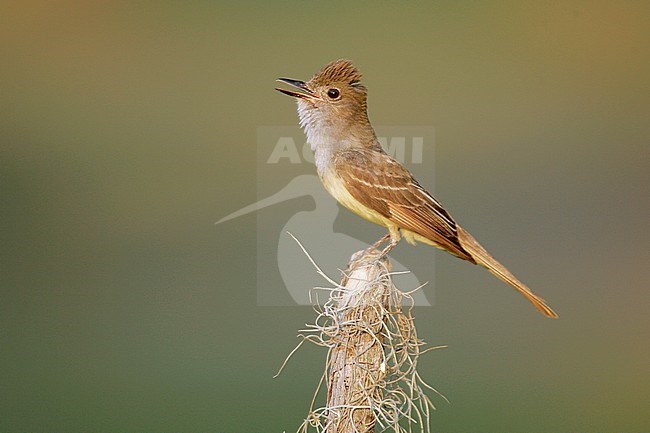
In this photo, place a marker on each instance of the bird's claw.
(379, 242)
(387, 248)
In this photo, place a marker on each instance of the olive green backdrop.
(128, 128)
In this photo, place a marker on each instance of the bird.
(361, 176)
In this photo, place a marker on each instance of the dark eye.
(333, 93)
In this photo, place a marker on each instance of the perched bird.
(357, 172)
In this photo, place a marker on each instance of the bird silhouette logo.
(315, 230)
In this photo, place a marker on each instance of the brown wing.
(383, 184)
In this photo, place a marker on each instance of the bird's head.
(332, 104)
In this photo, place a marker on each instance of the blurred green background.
(128, 128)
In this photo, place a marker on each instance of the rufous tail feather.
(484, 259)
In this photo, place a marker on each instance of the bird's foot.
(392, 236)
(388, 248)
(379, 242)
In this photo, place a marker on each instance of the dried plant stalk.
(356, 350)
(371, 376)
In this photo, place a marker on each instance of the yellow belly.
(336, 188)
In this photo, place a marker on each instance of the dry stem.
(371, 372)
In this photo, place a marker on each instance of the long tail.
(484, 259)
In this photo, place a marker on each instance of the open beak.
(298, 85)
